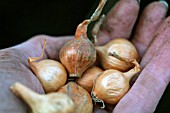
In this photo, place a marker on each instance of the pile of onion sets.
(75, 80)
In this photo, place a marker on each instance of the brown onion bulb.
(112, 84)
(123, 48)
(50, 103)
(79, 54)
(80, 97)
(50, 73)
(88, 77)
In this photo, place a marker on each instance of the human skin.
(145, 92)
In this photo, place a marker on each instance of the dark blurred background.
(22, 19)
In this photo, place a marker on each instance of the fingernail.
(138, 1)
(165, 3)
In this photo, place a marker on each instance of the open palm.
(150, 37)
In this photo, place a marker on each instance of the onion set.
(123, 48)
(112, 84)
(88, 77)
(80, 97)
(108, 83)
(49, 103)
(79, 53)
(50, 73)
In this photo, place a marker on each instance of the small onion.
(50, 73)
(121, 46)
(112, 84)
(80, 97)
(88, 77)
(50, 103)
(79, 53)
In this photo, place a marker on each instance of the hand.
(148, 88)
(14, 67)
(151, 38)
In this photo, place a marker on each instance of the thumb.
(34, 46)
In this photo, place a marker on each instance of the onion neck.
(31, 59)
(81, 31)
(129, 74)
(100, 49)
(29, 96)
(82, 27)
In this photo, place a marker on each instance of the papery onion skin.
(79, 54)
(50, 73)
(80, 96)
(111, 86)
(88, 78)
(123, 48)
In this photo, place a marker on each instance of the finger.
(151, 18)
(119, 21)
(161, 36)
(149, 87)
(34, 47)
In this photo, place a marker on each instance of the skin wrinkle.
(12, 70)
(24, 51)
(16, 67)
(8, 54)
(139, 93)
(12, 55)
(162, 84)
(136, 103)
(158, 65)
(117, 23)
(11, 97)
(144, 42)
(145, 84)
(22, 57)
(151, 18)
(39, 46)
(27, 49)
(163, 81)
(13, 63)
(160, 38)
(109, 26)
(39, 43)
(150, 91)
(50, 48)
